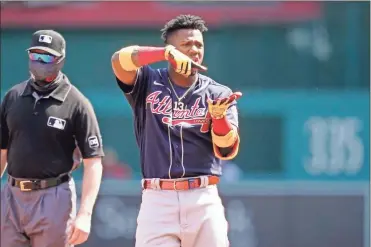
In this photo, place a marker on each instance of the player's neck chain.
(185, 93)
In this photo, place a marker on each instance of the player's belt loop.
(204, 181)
(155, 183)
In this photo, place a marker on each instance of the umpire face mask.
(45, 66)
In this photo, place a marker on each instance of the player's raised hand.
(218, 107)
(181, 62)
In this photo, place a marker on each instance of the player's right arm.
(127, 61)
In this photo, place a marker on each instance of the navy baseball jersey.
(173, 133)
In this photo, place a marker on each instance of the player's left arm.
(224, 131)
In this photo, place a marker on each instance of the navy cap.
(49, 41)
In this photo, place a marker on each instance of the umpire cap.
(49, 41)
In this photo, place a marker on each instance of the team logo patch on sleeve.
(57, 123)
(93, 142)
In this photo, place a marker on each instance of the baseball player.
(44, 122)
(185, 125)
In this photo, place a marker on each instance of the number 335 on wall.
(335, 146)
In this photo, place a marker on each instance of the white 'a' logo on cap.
(45, 39)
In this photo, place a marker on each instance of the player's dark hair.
(183, 22)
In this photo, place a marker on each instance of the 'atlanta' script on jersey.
(179, 114)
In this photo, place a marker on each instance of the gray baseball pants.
(39, 218)
(191, 218)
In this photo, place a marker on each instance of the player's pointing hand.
(180, 62)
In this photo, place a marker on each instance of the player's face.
(190, 42)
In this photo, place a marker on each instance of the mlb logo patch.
(45, 39)
(93, 142)
(57, 123)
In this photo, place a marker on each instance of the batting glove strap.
(231, 155)
(224, 141)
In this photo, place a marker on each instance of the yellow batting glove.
(218, 108)
(180, 62)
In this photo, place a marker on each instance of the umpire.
(43, 120)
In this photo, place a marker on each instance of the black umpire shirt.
(41, 132)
